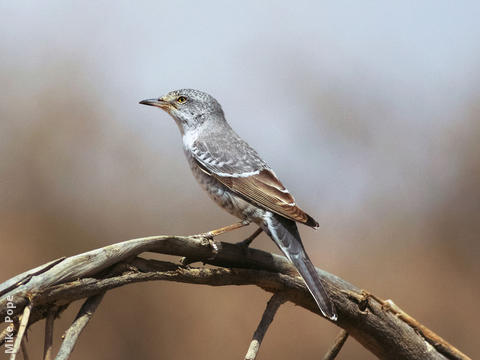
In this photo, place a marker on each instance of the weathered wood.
(48, 341)
(363, 316)
(272, 306)
(83, 317)
(336, 346)
(21, 331)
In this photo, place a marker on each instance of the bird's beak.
(156, 102)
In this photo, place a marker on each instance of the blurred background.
(368, 111)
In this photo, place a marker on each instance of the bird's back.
(226, 153)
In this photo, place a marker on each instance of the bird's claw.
(185, 262)
(214, 245)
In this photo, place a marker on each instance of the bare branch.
(47, 347)
(337, 346)
(26, 276)
(21, 330)
(83, 317)
(24, 350)
(272, 306)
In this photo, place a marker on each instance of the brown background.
(369, 115)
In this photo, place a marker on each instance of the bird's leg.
(246, 243)
(228, 228)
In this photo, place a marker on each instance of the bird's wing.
(238, 166)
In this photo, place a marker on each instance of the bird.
(240, 181)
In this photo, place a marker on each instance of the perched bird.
(237, 178)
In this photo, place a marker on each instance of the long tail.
(285, 234)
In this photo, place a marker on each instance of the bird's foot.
(208, 241)
(185, 262)
(214, 245)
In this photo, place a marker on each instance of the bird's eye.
(181, 99)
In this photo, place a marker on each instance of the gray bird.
(238, 180)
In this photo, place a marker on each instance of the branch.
(23, 346)
(362, 315)
(48, 343)
(272, 306)
(83, 317)
(337, 346)
(21, 331)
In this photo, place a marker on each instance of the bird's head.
(189, 108)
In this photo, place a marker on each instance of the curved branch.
(365, 317)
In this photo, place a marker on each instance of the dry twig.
(337, 346)
(48, 343)
(83, 317)
(273, 304)
(21, 330)
(23, 346)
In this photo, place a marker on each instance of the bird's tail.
(285, 234)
